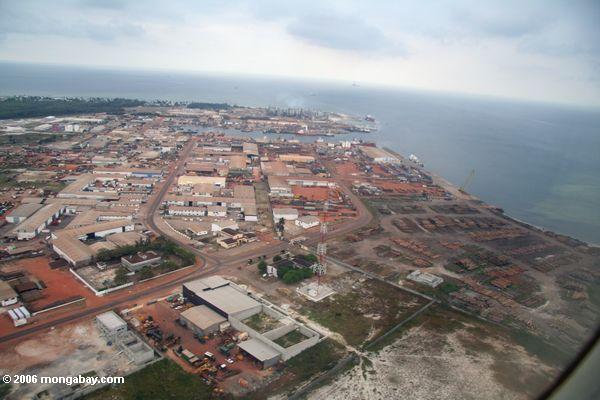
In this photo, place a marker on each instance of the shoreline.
(495, 209)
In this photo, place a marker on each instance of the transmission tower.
(320, 268)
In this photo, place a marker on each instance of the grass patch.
(320, 358)
(290, 339)
(161, 380)
(370, 310)
(545, 351)
(261, 322)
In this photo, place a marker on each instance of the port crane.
(467, 182)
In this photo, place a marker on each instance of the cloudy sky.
(539, 50)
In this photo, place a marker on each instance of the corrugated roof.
(84, 230)
(259, 350)
(202, 317)
(6, 291)
(37, 219)
(125, 238)
(73, 248)
(25, 210)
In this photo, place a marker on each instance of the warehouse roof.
(25, 210)
(202, 317)
(243, 192)
(84, 230)
(73, 248)
(192, 180)
(259, 350)
(126, 238)
(37, 219)
(219, 292)
(6, 291)
(99, 246)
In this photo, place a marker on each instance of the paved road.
(208, 264)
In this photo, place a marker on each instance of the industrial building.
(379, 155)
(194, 180)
(22, 212)
(425, 278)
(33, 225)
(307, 221)
(288, 214)
(114, 329)
(218, 299)
(8, 296)
(222, 296)
(68, 242)
(203, 320)
(299, 158)
(135, 262)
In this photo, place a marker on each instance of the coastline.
(454, 190)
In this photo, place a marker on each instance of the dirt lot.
(70, 350)
(251, 374)
(443, 355)
(60, 284)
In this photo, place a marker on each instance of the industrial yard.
(251, 266)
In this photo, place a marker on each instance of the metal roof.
(40, 217)
(202, 317)
(259, 350)
(218, 292)
(6, 291)
(25, 210)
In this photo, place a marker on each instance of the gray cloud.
(52, 19)
(342, 33)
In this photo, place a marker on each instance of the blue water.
(541, 163)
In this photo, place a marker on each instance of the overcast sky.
(540, 50)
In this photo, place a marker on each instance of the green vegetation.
(160, 245)
(295, 275)
(262, 267)
(315, 360)
(146, 273)
(308, 257)
(321, 357)
(288, 273)
(368, 311)
(262, 322)
(121, 277)
(4, 390)
(448, 287)
(36, 106)
(209, 106)
(290, 339)
(280, 226)
(160, 381)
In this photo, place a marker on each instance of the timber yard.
(207, 241)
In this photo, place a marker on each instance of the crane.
(463, 188)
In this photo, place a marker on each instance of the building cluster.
(218, 301)
(215, 196)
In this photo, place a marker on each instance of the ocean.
(539, 162)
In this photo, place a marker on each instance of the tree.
(311, 257)
(280, 226)
(146, 273)
(277, 258)
(121, 277)
(262, 267)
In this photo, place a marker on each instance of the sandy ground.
(428, 365)
(67, 351)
